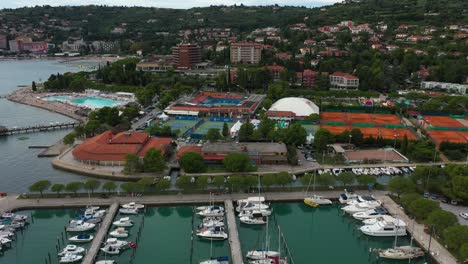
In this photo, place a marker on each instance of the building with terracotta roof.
(246, 52)
(341, 80)
(275, 71)
(110, 149)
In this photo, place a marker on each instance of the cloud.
(162, 3)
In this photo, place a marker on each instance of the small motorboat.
(108, 249)
(262, 212)
(214, 211)
(119, 232)
(70, 258)
(82, 238)
(71, 249)
(318, 199)
(128, 211)
(253, 219)
(401, 253)
(372, 221)
(216, 233)
(217, 260)
(106, 262)
(79, 226)
(114, 242)
(94, 220)
(260, 254)
(15, 217)
(123, 222)
(310, 203)
(347, 196)
(133, 205)
(93, 214)
(4, 241)
(372, 213)
(211, 223)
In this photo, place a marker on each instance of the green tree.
(69, 139)
(202, 182)
(346, 178)
(408, 198)
(92, 185)
(163, 184)
(404, 145)
(460, 186)
(74, 187)
(294, 135)
(267, 103)
(322, 138)
(91, 127)
(307, 179)
(57, 188)
(464, 251)
(400, 185)
(440, 220)
(236, 182)
(213, 134)
(109, 186)
(144, 184)
(249, 181)
(192, 162)
(237, 162)
(357, 137)
(313, 117)
(184, 183)
(283, 178)
(218, 181)
(33, 86)
(225, 130)
(269, 180)
(40, 186)
(129, 187)
(246, 131)
(366, 179)
(455, 236)
(326, 179)
(153, 161)
(132, 164)
(421, 208)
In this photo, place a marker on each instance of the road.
(456, 209)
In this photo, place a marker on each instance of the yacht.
(347, 196)
(82, 238)
(217, 260)
(128, 211)
(361, 207)
(317, 199)
(70, 258)
(269, 260)
(71, 249)
(79, 226)
(93, 214)
(119, 232)
(372, 221)
(360, 199)
(253, 199)
(371, 213)
(262, 212)
(251, 206)
(216, 233)
(211, 223)
(133, 205)
(384, 228)
(253, 219)
(14, 217)
(401, 253)
(215, 211)
(114, 242)
(108, 249)
(4, 241)
(123, 222)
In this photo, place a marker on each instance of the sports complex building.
(217, 104)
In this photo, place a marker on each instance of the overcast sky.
(163, 3)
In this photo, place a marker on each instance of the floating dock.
(100, 235)
(234, 242)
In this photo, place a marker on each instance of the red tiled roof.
(129, 137)
(246, 44)
(185, 149)
(157, 143)
(213, 157)
(345, 75)
(280, 114)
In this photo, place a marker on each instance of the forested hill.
(96, 22)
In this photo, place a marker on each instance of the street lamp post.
(349, 142)
(394, 142)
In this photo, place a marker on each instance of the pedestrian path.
(234, 242)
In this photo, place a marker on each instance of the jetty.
(4, 131)
(3, 96)
(234, 242)
(101, 234)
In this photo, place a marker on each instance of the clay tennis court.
(442, 121)
(450, 136)
(387, 133)
(352, 118)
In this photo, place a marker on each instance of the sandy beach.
(27, 97)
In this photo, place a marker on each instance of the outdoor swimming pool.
(209, 101)
(89, 101)
(59, 98)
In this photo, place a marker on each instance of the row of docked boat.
(253, 210)
(131, 208)
(9, 224)
(377, 222)
(376, 171)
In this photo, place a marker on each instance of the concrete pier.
(234, 242)
(101, 234)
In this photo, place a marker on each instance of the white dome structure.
(301, 107)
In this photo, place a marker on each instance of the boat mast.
(279, 242)
(396, 229)
(315, 174)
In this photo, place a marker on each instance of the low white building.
(449, 87)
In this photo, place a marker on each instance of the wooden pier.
(100, 235)
(234, 242)
(4, 131)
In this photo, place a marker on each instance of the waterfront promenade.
(234, 241)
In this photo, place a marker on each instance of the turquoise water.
(40, 238)
(59, 98)
(166, 238)
(318, 235)
(95, 102)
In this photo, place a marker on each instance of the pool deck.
(437, 250)
(234, 241)
(100, 235)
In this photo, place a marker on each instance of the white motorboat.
(214, 211)
(105, 262)
(251, 202)
(119, 232)
(401, 253)
(252, 199)
(123, 222)
(253, 219)
(108, 249)
(71, 249)
(206, 207)
(270, 260)
(216, 233)
(372, 221)
(82, 238)
(7, 234)
(371, 213)
(217, 260)
(360, 199)
(93, 214)
(92, 208)
(211, 223)
(114, 242)
(262, 212)
(79, 226)
(259, 254)
(132, 211)
(384, 228)
(4, 241)
(133, 205)
(318, 199)
(361, 207)
(70, 258)
(14, 217)
(347, 196)
(251, 206)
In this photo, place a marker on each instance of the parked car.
(435, 197)
(464, 215)
(426, 195)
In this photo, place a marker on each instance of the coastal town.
(235, 134)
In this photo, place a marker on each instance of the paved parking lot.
(456, 209)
